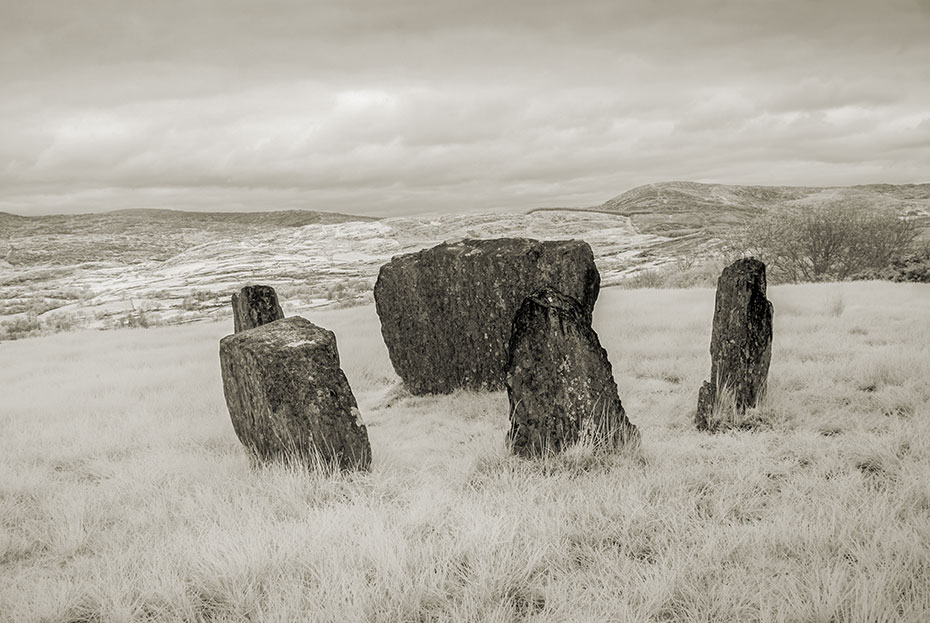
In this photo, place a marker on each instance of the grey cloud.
(414, 105)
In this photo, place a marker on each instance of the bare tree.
(829, 241)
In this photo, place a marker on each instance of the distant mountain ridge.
(280, 218)
(666, 208)
(683, 208)
(139, 234)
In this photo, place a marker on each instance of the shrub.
(827, 242)
(59, 321)
(343, 290)
(134, 319)
(909, 267)
(681, 274)
(649, 278)
(196, 298)
(19, 327)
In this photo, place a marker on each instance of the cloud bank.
(399, 106)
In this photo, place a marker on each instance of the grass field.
(125, 495)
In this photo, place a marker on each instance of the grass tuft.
(125, 495)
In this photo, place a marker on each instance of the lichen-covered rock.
(446, 312)
(288, 397)
(559, 380)
(254, 306)
(707, 397)
(741, 342)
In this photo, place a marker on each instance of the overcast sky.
(399, 106)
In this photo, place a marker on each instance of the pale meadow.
(125, 495)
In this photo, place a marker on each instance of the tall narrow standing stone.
(288, 397)
(559, 380)
(741, 341)
(446, 312)
(254, 306)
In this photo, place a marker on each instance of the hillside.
(132, 236)
(163, 266)
(126, 268)
(677, 209)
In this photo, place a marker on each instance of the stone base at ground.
(741, 342)
(559, 380)
(707, 397)
(288, 398)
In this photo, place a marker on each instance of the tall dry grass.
(125, 496)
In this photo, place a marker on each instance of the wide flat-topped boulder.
(740, 344)
(446, 312)
(288, 397)
(559, 380)
(254, 306)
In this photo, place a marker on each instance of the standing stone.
(446, 312)
(559, 380)
(254, 306)
(288, 397)
(741, 341)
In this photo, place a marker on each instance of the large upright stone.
(288, 397)
(254, 306)
(559, 380)
(741, 342)
(446, 312)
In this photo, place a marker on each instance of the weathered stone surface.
(288, 397)
(741, 340)
(254, 306)
(446, 312)
(707, 396)
(559, 380)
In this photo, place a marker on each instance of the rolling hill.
(167, 267)
(677, 209)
